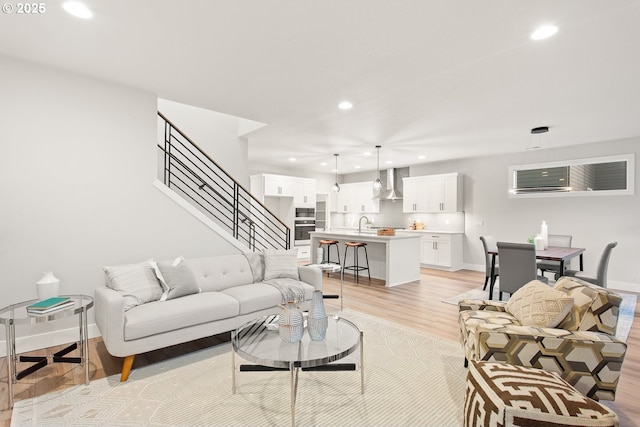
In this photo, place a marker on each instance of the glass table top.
(259, 341)
(18, 314)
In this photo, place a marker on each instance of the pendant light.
(377, 184)
(336, 187)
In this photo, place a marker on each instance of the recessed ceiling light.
(422, 157)
(77, 9)
(345, 105)
(367, 153)
(292, 159)
(544, 32)
(357, 166)
(323, 164)
(388, 162)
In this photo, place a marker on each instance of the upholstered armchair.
(582, 347)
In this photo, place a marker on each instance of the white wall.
(215, 133)
(593, 221)
(76, 170)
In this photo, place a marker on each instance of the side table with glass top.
(17, 314)
(332, 268)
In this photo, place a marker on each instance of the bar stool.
(327, 259)
(357, 268)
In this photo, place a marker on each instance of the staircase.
(189, 172)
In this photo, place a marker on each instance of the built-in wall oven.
(305, 213)
(303, 224)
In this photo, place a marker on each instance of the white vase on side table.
(48, 286)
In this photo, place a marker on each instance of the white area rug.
(411, 379)
(625, 314)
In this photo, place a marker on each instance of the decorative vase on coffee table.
(291, 326)
(317, 320)
(48, 286)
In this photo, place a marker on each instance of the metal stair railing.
(191, 172)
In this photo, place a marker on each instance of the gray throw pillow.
(256, 262)
(179, 280)
(281, 263)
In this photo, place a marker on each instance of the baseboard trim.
(49, 339)
(614, 285)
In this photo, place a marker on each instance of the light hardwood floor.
(417, 305)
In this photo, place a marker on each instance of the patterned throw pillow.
(536, 304)
(501, 394)
(137, 283)
(281, 263)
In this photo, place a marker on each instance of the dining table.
(552, 253)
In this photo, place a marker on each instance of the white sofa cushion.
(163, 316)
(220, 272)
(260, 296)
(254, 297)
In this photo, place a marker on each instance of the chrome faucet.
(360, 223)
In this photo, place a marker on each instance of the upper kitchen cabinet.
(433, 193)
(304, 192)
(414, 196)
(356, 198)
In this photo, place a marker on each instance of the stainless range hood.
(393, 188)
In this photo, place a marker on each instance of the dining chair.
(603, 265)
(561, 240)
(488, 242)
(517, 266)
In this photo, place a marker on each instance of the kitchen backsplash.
(391, 215)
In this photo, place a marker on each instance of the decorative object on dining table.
(48, 286)
(291, 327)
(317, 319)
(544, 232)
(539, 242)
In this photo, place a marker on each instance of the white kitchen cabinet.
(278, 186)
(304, 252)
(303, 190)
(343, 199)
(357, 197)
(433, 193)
(442, 251)
(414, 196)
(444, 193)
(304, 193)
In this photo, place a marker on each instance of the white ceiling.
(444, 79)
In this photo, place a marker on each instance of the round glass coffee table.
(17, 314)
(259, 342)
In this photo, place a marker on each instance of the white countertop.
(423, 231)
(365, 235)
(401, 230)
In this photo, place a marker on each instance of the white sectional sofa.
(231, 290)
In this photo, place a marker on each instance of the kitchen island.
(394, 259)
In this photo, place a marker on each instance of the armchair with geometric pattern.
(582, 348)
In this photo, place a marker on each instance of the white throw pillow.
(136, 282)
(281, 263)
(536, 304)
